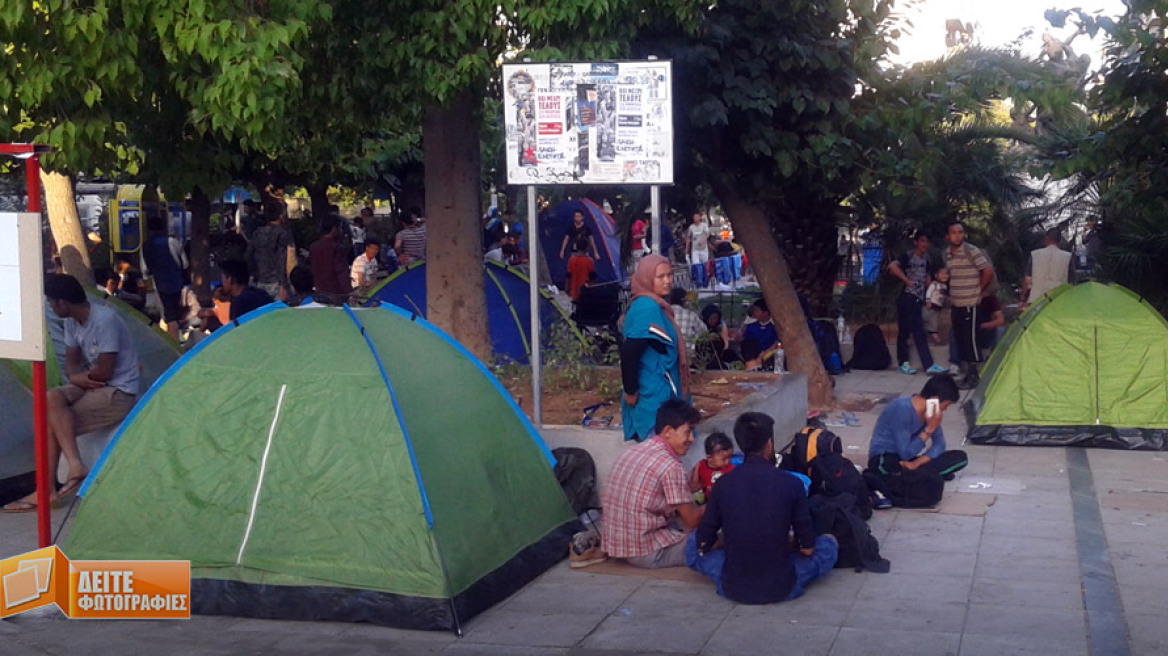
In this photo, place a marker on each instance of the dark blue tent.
(554, 222)
(508, 305)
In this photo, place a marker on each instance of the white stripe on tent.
(255, 499)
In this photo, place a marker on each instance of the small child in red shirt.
(719, 449)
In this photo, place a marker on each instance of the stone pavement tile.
(755, 635)
(667, 630)
(881, 522)
(1134, 517)
(976, 644)
(1148, 632)
(842, 583)
(935, 563)
(1043, 528)
(1043, 594)
(906, 615)
(475, 649)
(915, 542)
(1144, 596)
(1059, 483)
(370, 645)
(1053, 548)
(1002, 619)
(1022, 567)
(359, 632)
(817, 607)
(911, 586)
(532, 629)
(1033, 505)
(1136, 532)
(877, 642)
(593, 596)
(658, 597)
(916, 521)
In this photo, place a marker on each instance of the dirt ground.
(567, 394)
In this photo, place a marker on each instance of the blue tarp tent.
(554, 222)
(508, 305)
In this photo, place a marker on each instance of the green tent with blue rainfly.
(1085, 365)
(330, 464)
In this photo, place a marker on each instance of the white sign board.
(589, 123)
(22, 312)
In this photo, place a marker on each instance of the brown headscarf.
(642, 285)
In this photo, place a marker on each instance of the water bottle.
(840, 328)
(780, 359)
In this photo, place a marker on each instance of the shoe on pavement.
(905, 369)
(584, 550)
(935, 369)
(881, 502)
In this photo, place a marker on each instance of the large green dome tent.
(1087, 365)
(330, 464)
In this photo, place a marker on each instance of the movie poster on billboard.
(588, 123)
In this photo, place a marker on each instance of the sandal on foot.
(70, 486)
(19, 507)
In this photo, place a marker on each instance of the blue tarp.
(508, 306)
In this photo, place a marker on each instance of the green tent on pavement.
(327, 463)
(1087, 365)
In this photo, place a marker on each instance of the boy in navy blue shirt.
(756, 506)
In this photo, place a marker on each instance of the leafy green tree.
(445, 56)
(767, 92)
(1118, 167)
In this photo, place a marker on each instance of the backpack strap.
(812, 446)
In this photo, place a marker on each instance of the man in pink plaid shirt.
(647, 493)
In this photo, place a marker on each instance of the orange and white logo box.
(95, 589)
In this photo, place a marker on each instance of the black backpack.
(827, 342)
(871, 349)
(818, 454)
(833, 475)
(916, 488)
(576, 472)
(858, 548)
(806, 446)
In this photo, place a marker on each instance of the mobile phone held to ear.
(932, 408)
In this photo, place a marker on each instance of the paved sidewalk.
(1009, 582)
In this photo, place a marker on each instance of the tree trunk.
(66, 226)
(770, 267)
(455, 297)
(318, 194)
(201, 246)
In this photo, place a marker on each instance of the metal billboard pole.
(532, 260)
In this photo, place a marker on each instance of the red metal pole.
(32, 174)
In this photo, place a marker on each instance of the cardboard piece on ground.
(968, 505)
(617, 567)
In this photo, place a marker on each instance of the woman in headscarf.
(654, 366)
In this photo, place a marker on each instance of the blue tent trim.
(508, 291)
(535, 436)
(397, 412)
(128, 419)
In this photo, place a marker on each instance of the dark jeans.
(911, 323)
(965, 330)
(949, 462)
(807, 568)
